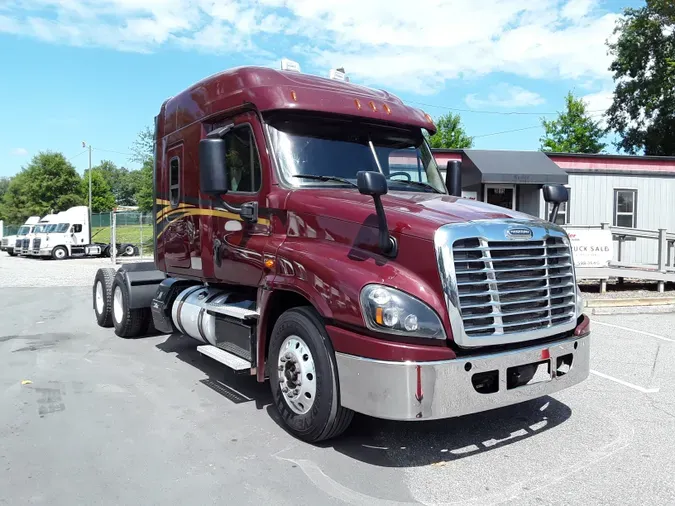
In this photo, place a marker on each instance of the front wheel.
(59, 253)
(303, 377)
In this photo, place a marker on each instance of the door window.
(500, 196)
(243, 162)
(174, 180)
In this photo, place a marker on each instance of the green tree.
(122, 182)
(573, 131)
(4, 186)
(102, 198)
(49, 182)
(143, 152)
(643, 109)
(450, 133)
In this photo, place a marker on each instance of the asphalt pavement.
(90, 418)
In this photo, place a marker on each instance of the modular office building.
(625, 191)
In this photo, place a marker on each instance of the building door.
(503, 195)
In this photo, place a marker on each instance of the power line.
(503, 113)
(112, 151)
(521, 129)
(81, 153)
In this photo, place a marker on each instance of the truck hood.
(409, 213)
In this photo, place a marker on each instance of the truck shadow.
(386, 443)
(236, 388)
(411, 444)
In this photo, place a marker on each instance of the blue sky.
(98, 70)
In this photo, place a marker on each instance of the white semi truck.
(69, 235)
(12, 244)
(27, 242)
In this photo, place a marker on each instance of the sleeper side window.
(174, 180)
(243, 162)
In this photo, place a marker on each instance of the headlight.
(390, 310)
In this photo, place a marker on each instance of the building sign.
(469, 195)
(591, 247)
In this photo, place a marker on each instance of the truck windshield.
(61, 228)
(23, 230)
(39, 229)
(339, 148)
(50, 228)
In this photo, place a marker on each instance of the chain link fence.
(130, 230)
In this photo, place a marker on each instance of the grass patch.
(130, 234)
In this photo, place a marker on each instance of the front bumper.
(444, 389)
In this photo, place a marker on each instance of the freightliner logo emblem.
(519, 233)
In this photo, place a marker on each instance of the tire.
(11, 253)
(128, 250)
(127, 322)
(60, 253)
(325, 418)
(102, 296)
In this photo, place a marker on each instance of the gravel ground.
(89, 418)
(27, 272)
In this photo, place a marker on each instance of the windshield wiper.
(326, 178)
(416, 183)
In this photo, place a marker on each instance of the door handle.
(216, 252)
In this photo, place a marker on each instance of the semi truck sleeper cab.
(305, 235)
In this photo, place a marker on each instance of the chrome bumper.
(432, 390)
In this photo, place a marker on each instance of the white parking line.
(633, 330)
(625, 383)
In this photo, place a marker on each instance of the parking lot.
(90, 418)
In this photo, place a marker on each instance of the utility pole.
(83, 145)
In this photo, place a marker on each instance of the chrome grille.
(5, 242)
(509, 287)
(36, 244)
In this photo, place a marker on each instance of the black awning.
(517, 167)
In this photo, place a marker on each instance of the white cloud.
(506, 96)
(388, 43)
(19, 152)
(598, 103)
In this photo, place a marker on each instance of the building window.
(243, 162)
(174, 180)
(563, 212)
(625, 208)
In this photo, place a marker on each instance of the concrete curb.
(653, 305)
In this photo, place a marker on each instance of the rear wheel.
(127, 322)
(129, 250)
(59, 253)
(304, 379)
(102, 293)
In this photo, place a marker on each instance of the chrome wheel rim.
(60, 253)
(296, 374)
(118, 305)
(99, 297)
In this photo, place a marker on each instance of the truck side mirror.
(453, 178)
(375, 184)
(555, 194)
(213, 174)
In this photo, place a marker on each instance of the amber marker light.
(386, 108)
(372, 106)
(357, 103)
(378, 316)
(294, 96)
(269, 263)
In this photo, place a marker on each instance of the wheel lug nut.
(281, 367)
(284, 389)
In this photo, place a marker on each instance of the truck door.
(177, 232)
(238, 245)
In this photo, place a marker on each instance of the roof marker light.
(294, 96)
(372, 106)
(358, 103)
(290, 65)
(386, 108)
(428, 118)
(338, 74)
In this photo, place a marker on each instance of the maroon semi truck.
(305, 235)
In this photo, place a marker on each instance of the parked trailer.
(290, 245)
